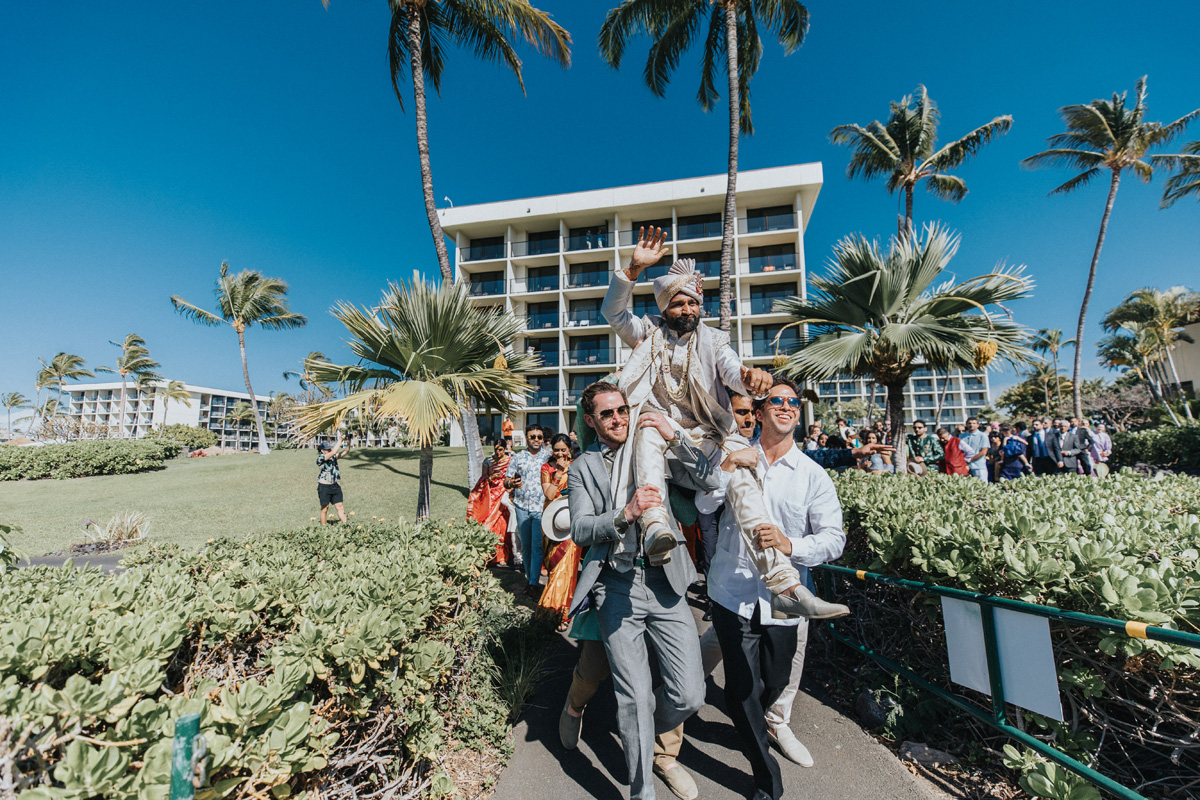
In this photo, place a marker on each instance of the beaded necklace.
(659, 354)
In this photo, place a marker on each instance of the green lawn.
(194, 499)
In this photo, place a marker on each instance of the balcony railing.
(774, 263)
(549, 357)
(542, 283)
(589, 241)
(482, 288)
(541, 321)
(763, 305)
(770, 222)
(573, 319)
(700, 230)
(656, 271)
(544, 398)
(571, 396)
(579, 280)
(605, 355)
(630, 237)
(482, 252)
(539, 247)
(712, 307)
(766, 347)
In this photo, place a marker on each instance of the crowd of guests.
(990, 452)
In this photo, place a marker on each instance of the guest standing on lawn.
(974, 444)
(524, 474)
(953, 461)
(486, 503)
(564, 557)
(923, 447)
(329, 490)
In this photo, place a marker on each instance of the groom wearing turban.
(685, 371)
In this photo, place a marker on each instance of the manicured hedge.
(81, 459)
(335, 660)
(1170, 446)
(1126, 547)
(193, 436)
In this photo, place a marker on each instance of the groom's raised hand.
(651, 246)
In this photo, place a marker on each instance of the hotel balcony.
(766, 347)
(589, 241)
(541, 283)
(700, 229)
(605, 355)
(547, 397)
(538, 247)
(781, 262)
(537, 322)
(712, 307)
(488, 287)
(630, 237)
(482, 252)
(582, 280)
(767, 222)
(583, 318)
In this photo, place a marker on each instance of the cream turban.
(681, 277)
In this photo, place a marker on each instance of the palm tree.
(62, 368)
(307, 382)
(881, 316)
(732, 37)
(905, 151)
(1044, 372)
(1049, 340)
(423, 351)
(174, 390)
(134, 360)
(41, 380)
(1134, 346)
(246, 299)
(1106, 135)
(14, 400)
(1187, 182)
(1165, 313)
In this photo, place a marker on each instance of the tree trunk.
(1057, 383)
(871, 404)
(469, 422)
(1156, 395)
(727, 229)
(426, 478)
(258, 423)
(895, 401)
(418, 79)
(124, 407)
(908, 200)
(1046, 395)
(937, 417)
(1077, 389)
(1187, 407)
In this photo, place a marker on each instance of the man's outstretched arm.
(651, 247)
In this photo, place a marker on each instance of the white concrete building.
(100, 404)
(549, 260)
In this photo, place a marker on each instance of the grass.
(195, 499)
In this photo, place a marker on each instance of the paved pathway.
(850, 764)
(107, 562)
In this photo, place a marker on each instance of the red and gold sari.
(485, 505)
(563, 561)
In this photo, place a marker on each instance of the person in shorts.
(328, 489)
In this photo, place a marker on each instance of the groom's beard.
(684, 323)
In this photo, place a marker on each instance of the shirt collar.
(790, 459)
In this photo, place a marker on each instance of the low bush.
(336, 660)
(193, 436)
(1170, 447)
(1126, 547)
(82, 459)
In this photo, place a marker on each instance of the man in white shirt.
(975, 441)
(757, 648)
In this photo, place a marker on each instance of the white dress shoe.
(791, 747)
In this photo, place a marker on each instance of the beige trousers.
(743, 493)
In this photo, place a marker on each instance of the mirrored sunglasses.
(793, 402)
(607, 414)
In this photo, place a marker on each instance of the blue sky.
(144, 142)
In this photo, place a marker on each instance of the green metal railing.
(189, 755)
(997, 717)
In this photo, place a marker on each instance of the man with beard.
(686, 372)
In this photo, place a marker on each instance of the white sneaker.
(791, 747)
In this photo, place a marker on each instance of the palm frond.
(956, 152)
(1064, 157)
(946, 187)
(668, 48)
(1082, 179)
(711, 59)
(194, 312)
(786, 19)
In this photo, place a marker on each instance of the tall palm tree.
(1049, 340)
(905, 151)
(881, 316)
(423, 351)
(174, 390)
(731, 37)
(41, 380)
(14, 400)
(1106, 135)
(1186, 182)
(1045, 372)
(307, 382)
(245, 299)
(1165, 313)
(1134, 346)
(62, 368)
(134, 360)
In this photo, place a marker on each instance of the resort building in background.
(549, 260)
(99, 405)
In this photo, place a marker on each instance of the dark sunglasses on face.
(607, 414)
(535, 437)
(793, 402)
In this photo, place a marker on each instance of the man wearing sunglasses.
(634, 598)
(686, 372)
(524, 475)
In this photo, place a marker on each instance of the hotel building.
(99, 404)
(549, 260)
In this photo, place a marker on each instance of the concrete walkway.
(850, 764)
(105, 562)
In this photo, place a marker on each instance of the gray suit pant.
(629, 606)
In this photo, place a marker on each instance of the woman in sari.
(563, 560)
(486, 504)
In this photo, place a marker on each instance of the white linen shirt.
(803, 502)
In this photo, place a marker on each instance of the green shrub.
(1170, 446)
(1126, 547)
(193, 436)
(336, 659)
(81, 459)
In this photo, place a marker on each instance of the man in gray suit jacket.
(633, 600)
(1076, 442)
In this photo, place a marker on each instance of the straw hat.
(556, 520)
(1101, 469)
(917, 468)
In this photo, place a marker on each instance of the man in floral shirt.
(524, 474)
(923, 447)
